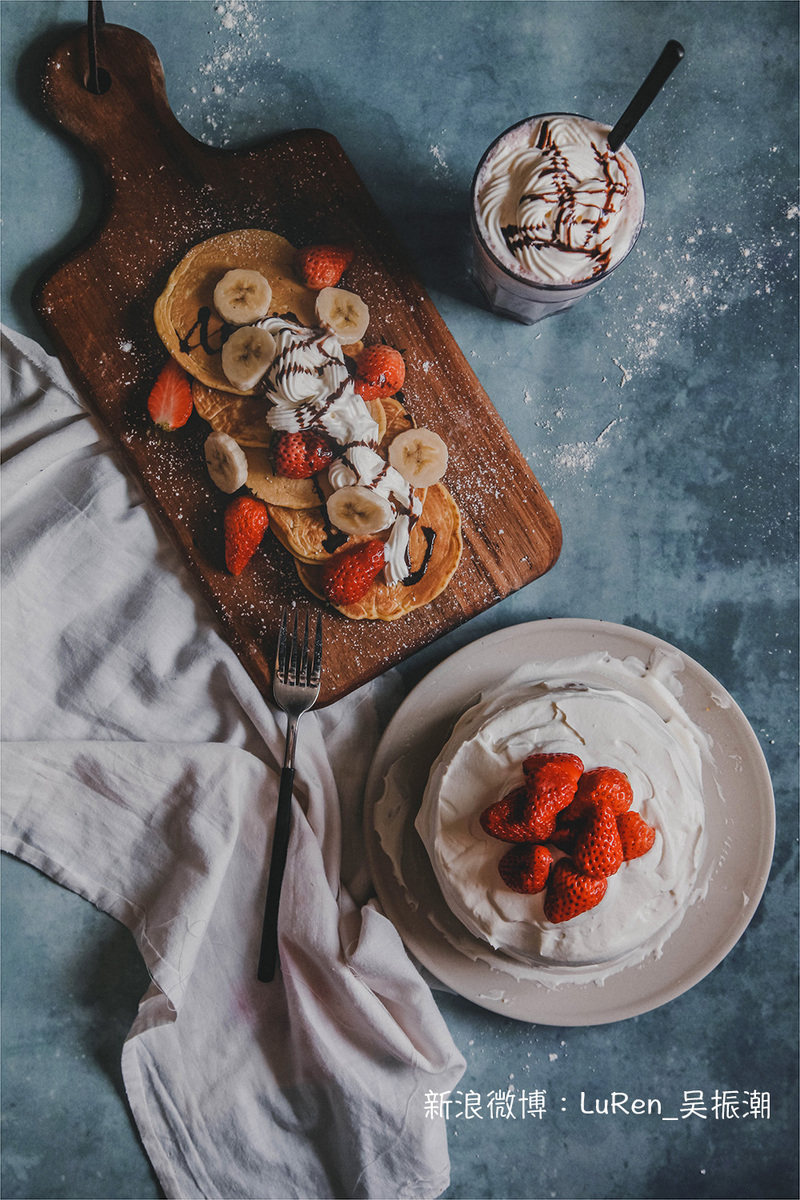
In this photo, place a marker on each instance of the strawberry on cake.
(564, 818)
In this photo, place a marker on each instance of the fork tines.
(293, 663)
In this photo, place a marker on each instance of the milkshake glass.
(554, 211)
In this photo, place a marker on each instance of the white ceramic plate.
(740, 830)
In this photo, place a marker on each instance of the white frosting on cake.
(610, 712)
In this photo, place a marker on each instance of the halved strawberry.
(246, 520)
(348, 575)
(380, 372)
(170, 401)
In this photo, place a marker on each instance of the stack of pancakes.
(193, 334)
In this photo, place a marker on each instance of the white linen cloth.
(140, 769)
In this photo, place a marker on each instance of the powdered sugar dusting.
(232, 13)
(693, 280)
(582, 456)
(667, 306)
(438, 156)
(235, 69)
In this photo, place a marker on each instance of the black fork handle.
(268, 957)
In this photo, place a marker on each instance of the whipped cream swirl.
(309, 387)
(609, 712)
(363, 465)
(555, 203)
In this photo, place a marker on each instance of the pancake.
(243, 417)
(278, 490)
(187, 298)
(382, 602)
(194, 334)
(303, 528)
(396, 419)
(307, 533)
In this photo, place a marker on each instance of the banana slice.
(242, 296)
(246, 355)
(358, 509)
(419, 455)
(226, 461)
(344, 313)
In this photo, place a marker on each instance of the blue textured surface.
(660, 416)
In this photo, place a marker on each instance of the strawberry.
(245, 522)
(323, 266)
(302, 454)
(508, 819)
(348, 575)
(563, 836)
(570, 892)
(635, 835)
(541, 821)
(526, 869)
(380, 372)
(570, 762)
(551, 781)
(170, 401)
(603, 785)
(598, 849)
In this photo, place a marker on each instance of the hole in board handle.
(98, 85)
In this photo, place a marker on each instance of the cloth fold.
(140, 770)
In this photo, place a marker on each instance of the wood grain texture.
(164, 192)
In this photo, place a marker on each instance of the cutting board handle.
(129, 125)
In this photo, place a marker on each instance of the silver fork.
(295, 687)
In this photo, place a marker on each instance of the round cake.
(610, 713)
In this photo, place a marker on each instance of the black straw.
(97, 78)
(666, 63)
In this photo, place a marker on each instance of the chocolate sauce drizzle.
(201, 327)
(416, 576)
(307, 415)
(521, 237)
(311, 412)
(334, 538)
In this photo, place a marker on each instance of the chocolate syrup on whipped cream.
(282, 366)
(566, 194)
(312, 412)
(553, 207)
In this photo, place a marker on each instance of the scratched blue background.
(660, 417)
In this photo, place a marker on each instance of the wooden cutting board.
(163, 192)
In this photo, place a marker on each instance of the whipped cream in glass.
(554, 209)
